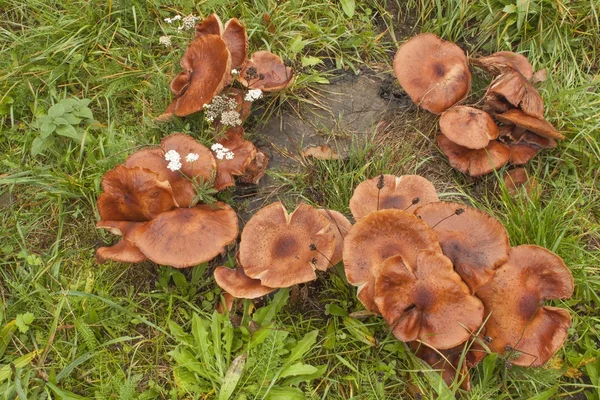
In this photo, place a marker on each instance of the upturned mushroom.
(527, 332)
(405, 192)
(518, 91)
(433, 72)
(243, 152)
(124, 250)
(533, 124)
(468, 127)
(267, 72)
(497, 62)
(474, 162)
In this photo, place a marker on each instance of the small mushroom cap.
(427, 301)
(522, 153)
(518, 323)
(433, 72)
(154, 160)
(498, 61)
(518, 91)
(133, 194)
(277, 76)
(187, 236)
(124, 251)
(276, 248)
(208, 64)
(517, 178)
(256, 169)
(210, 25)
(341, 227)
(537, 140)
(474, 162)
(405, 192)
(244, 152)
(377, 237)
(236, 38)
(235, 282)
(535, 125)
(468, 127)
(476, 243)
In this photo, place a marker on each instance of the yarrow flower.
(222, 108)
(171, 20)
(222, 153)
(235, 72)
(174, 160)
(165, 40)
(253, 94)
(191, 157)
(231, 118)
(188, 23)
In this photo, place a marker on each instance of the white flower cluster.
(253, 94)
(235, 72)
(174, 160)
(191, 157)
(171, 20)
(188, 23)
(165, 40)
(231, 118)
(223, 109)
(222, 152)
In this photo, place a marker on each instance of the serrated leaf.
(297, 369)
(69, 131)
(310, 61)
(84, 113)
(348, 6)
(232, 377)
(56, 110)
(302, 347)
(23, 321)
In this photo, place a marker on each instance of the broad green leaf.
(232, 377)
(185, 359)
(285, 393)
(23, 321)
(71, 119)
(348, 6)
(84, 113)
(545, 395)
(334, 309)
(69, 131)
(302, 347)
(5, 334)
(265, 315)
(359, 331)
(64, 394)
(216, 342)
(186, 381)
(297, 369)
(200, 333)
(310, 61)
(56, 110)
(296, 380)
(46, 129)
(509, 9)
(61, 120)
(297, 44)
(21, 362)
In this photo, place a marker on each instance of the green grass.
(109, 331)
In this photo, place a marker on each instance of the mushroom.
(518, 91)
(433, 72)
(521, 153)
(468, 127)
(133, 194)
(210, 25)
(426, 300)
(236, 38)
(206, 65)
(244, 153)
(180, 180)
(377, 237)
(498, 62)
(536, 125)
(517, 178)
(282, 250)
(256, 169)
(187, 236)
(124, 250)
(341, 227)
(521, 327)
(322, 152)
(474, 162)
(476, 243)
(235, 282)
(388, 191)
(242, 107)
(267, 72)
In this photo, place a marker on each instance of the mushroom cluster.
(446, 280)
(279, 250)
(150, 201)
(509, 126)
(214, 63)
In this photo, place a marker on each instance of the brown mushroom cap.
(208, 63)
(427, 301)
(535, 125)
(154, 160)
(180, 83)
(124, 250)
(517, 178)
(256, 169)
(522, 153)
(282, 250)
(468, 127)
(276, 75)
(474, 162)
(341, 227)
(518, 323)
(236, 38)
(377, 237)
(244, 152)
(476, 243)
(235, 282)
(405, 192)
(187, 236)
(433, 72)
(210, 25)
(133, 194)
(517, 90)
(498, 61)
(537, 140)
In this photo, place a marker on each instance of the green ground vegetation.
(71, 329)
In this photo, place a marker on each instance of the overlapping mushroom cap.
(341, 227)
(536, 125)
(388, 191)
(519, 324)
(468, 127)
(518, 91)
(267, 72)
(244, 152)
(281, 250)
(498, 62)
(124, 250)
(474, 162)
(377, 237)
(476, 243)
(235, 282)
(433, 72)
(427, 301)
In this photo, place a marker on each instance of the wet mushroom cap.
(282, 250)
(236, 38)
(427, 301)
(522, 153)
(474, 162)
(405, 192)
(123, 251)
(377, 237)
(535, 125)
(133, 194)
(433, 72)
(208, 64)
(276, 75)
(210, 25)
(518, 323)
(186, 237)
(498, 61)
(468, 127)
(518, 91)
(476, 243)
(235, 282)
(256, 169)
(341, 227)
